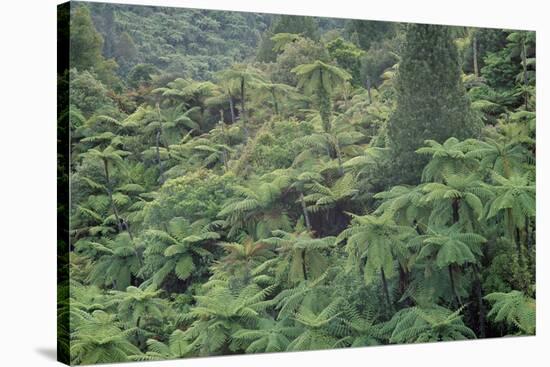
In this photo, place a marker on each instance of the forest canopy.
(247, 183)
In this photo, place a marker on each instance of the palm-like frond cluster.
(242, 214)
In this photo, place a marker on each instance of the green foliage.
(177, 250)
(285, 24)
(515, 309)
(277, 148)
(242, 258)
(220, 313)
(302, 256)
(301, 51)
(198, 195)
(257, 210)
(431, 101)
(421, 325)
(348, 56)
(515, 195)
(365, 33)
(447, 159)
(448, 246)
(378, 239)
(117, 261)
(88, 95)
(269, 337)
(141, 74)
(224, 205)
(86, 45)
(86, 42)
(177, 347)
(320, 79)
(317, 332)
(125, 51)
(98, 340)
(139, 305)
(459, 199)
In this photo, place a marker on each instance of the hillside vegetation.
(247, 183)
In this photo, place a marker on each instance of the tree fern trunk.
(386, 290)
(244, 117)
(529, 240)
(514, 236)
(456, 206)
(480, 305)
(403, 282)
(225, 159)
(324, 107)
(453, 287)
(368, 90)
(110, 193)
(304, 264)
(275, 104)
(306, 214)
(338, 156)
(242, 100)
(159, 161)
(474, 47)
(506, 167)
(232, 109)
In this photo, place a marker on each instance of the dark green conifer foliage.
(365, 33)
(86, 42)
(431, 100)
(305, 26)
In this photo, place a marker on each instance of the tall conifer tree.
(431, 100)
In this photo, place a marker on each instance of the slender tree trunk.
(368, 90)
(275, 104)
(244, 117)
(232, 109)
(224, 158)
(403, 281)
(304, 210)
(157, 139)
(453, 287)
(110, 193)
(529, 244)
(474, 44)
(304, 264)
(519, 246)
(385, 287)
(246, 273)
(506, 167)
(338, 156)
(480, 305)
(242, 100)
(514, 236)
(325, 107)
(417, 227)
(456, 206)
(140, 261)
(159, 161)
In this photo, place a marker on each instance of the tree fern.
(515, 309)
